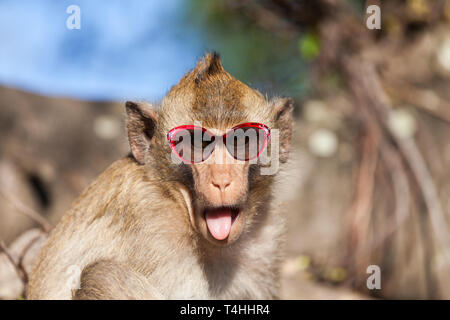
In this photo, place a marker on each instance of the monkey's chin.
(221, 226)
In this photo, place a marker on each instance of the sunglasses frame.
(171, 136)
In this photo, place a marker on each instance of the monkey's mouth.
(220, 220)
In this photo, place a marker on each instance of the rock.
(23, 250)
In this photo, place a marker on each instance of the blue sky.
(125, 49)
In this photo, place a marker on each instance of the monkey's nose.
(221, 176)
(221, 184)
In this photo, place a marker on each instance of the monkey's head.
(208, 137)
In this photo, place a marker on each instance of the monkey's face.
(219, 162)
(226, 188)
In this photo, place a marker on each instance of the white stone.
(443, 54)
(402, 123)
(107, 127)
(315, 111)
(323, 143)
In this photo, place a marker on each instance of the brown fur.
(137, 231)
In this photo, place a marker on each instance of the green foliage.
(257, 56)
(309, 46)
(358, 5)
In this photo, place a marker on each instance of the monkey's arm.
(107, 280)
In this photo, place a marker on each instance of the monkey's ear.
(283, 110)
(141, 125)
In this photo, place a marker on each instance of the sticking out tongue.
(219, 223)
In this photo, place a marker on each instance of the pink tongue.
(219, 223)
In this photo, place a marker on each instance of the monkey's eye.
(193, 144)
(247, 141)
(203, 142)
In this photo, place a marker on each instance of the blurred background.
(369, 178)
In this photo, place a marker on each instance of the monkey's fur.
(134, 232)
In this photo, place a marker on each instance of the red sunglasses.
(193, 144)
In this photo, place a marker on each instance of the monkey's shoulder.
(123, 195)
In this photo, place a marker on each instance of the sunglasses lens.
(246, 143)
(193, 145)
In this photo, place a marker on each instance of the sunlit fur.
(136, 231)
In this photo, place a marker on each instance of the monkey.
(150, 227)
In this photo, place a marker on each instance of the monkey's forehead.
(221, 105)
